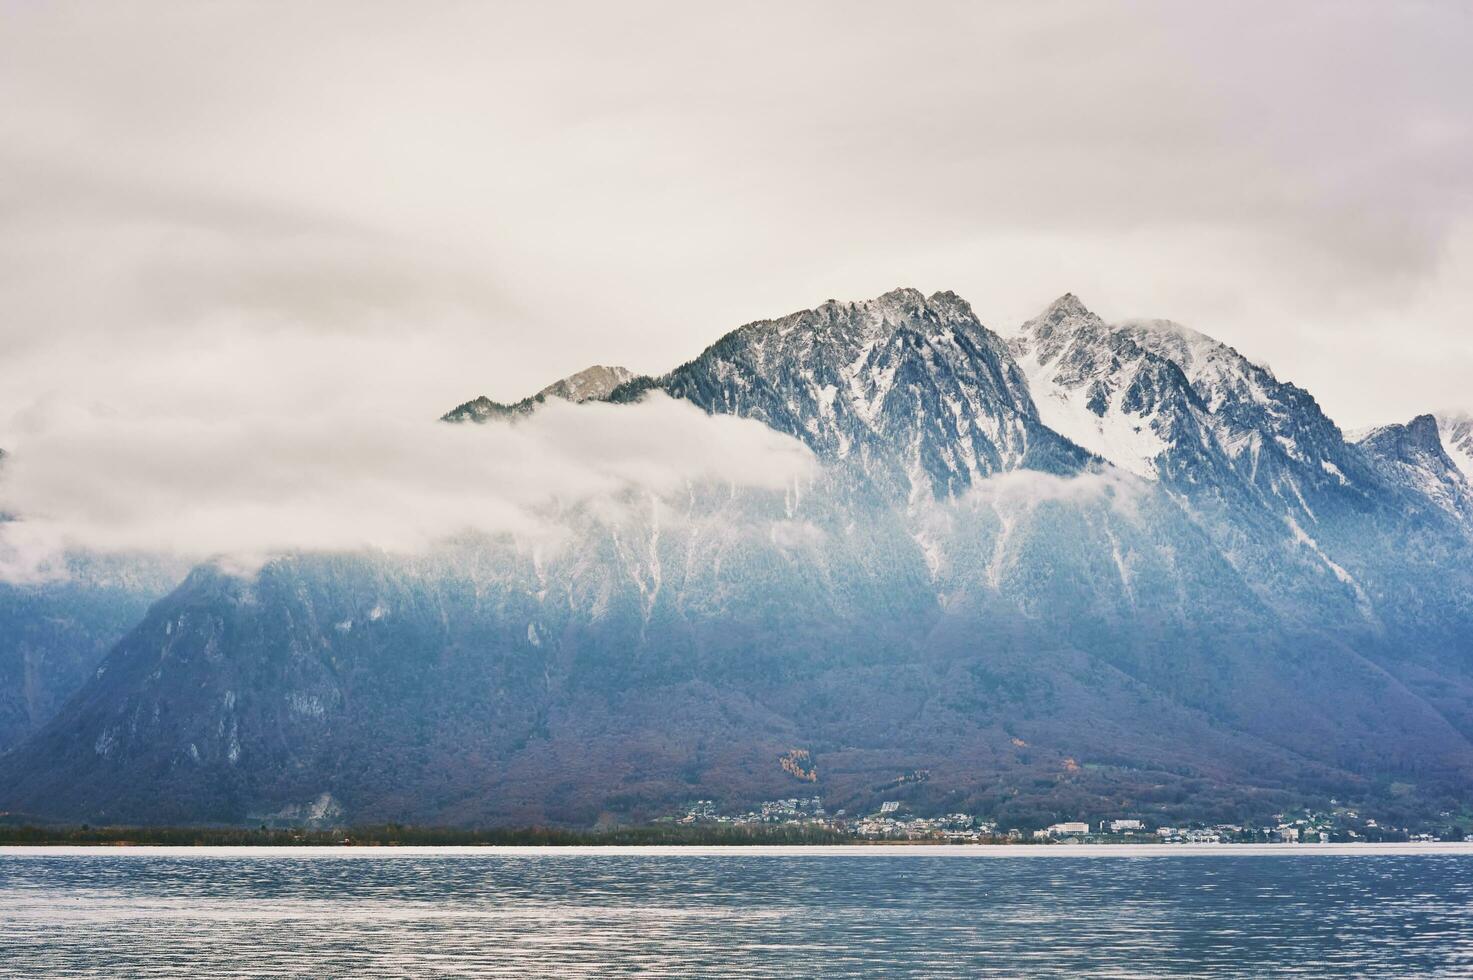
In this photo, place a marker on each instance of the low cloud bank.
(1024, 489)
(245, 488)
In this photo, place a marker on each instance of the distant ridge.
(590, 384)
(1087, 571)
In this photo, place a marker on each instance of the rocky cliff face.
(1317, 525)
(1455, 430)
(1167, 403)
(1100, 567)
(908, 390)
(590, 384)
(1412, 456)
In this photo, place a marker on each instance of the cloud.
(321, 202)
(1022, 491)
(246, 487)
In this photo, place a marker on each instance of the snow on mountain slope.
(909, 389)
(1413, 455)
(1275, 432)
(1456, 432)
(922, 403)
(1166, 402)
(1106, 392)
(1258, 466)
(1270, 620)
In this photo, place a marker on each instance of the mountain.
(1160, 400)
(53, 634)
(1089, 570)
(1101, 388)
(1318, 525)
(591, 384)
(1455, 429)
(1413, 456)
(910, 390)
(587, 385)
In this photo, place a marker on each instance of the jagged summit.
(1066, 311)
(587, 385)
(908, 388)
(1165, 401)
(1065, 306)
(900, 295)
(1412, 455)
(1456, 431)
(902, 307)
(1270, 606)
(1103, 390)
(913, 393)
(1204, 359)
(1419, 435)
(590, 384)
(1422, 433)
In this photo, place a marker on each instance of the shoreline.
(891, 849)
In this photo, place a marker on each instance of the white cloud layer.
(245, 487)
(327, 203)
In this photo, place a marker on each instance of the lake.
(1232, 911)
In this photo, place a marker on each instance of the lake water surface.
(737, 912)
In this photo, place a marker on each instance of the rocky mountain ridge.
(1413, 456)
(1455, 430)
(1094, 568)
(590, 384)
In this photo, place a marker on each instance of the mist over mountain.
(53, 636)
(1088, 568)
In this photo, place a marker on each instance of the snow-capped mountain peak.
(1456, 431)
(1413, 456)
(1188, 348)
(1100, 388)
(1165, 401)
(1216, 370)
(911, 389)
(1066, 305)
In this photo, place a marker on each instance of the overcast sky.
(211, 207)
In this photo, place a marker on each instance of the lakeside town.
(893, 822)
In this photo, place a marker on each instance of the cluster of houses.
(794, 811)
(1281, 833)
(890, 822)
(1078, 828)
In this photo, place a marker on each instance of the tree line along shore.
(391, 835)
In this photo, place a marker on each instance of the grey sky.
(223, 208)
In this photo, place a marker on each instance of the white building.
(1119, 826)
(1069, 827)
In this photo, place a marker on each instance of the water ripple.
(730, 914)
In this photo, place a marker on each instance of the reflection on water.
(731, 913)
